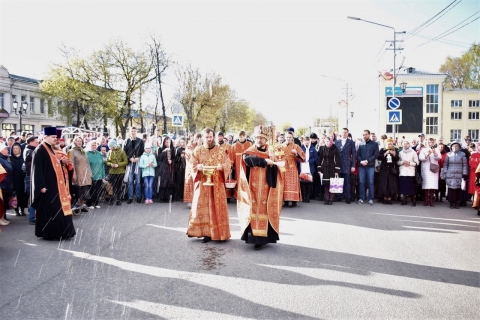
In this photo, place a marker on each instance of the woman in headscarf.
(455, 169)
(428, 156)
(18, 178)
(166, 170)
(95, 159)
(407, 162)
(329, 165)
(82, 173)
(387, 180)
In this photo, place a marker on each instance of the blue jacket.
(145, 159)
(312, 160)
(369, 151)
(348, 155)
(6, 184)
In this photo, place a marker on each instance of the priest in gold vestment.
(188, 187)
(260, 193)
(238, 149)
(209, 214)
(293, 155)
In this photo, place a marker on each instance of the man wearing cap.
(260, 195)
(32, 143)
(209, 214)
(50, 192)
(293, 155)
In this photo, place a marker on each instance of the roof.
(24, 79)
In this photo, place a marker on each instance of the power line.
(430, 22)
(440, 37)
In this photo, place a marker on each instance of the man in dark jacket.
(367, 154)
(348, 154)
(134, 148)
(311, 157)
(32, 143)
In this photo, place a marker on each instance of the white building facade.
(22, 89)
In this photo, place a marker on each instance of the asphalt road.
(339, 261)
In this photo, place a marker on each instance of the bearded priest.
(209, 214)
(260, 192)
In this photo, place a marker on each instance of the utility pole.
(346, 103)
(395, 49)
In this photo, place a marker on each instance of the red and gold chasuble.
(209, 214)
(61, 174)
(258, 203)
(237, 151)
(188, 187)
(291, 190)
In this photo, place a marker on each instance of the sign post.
(177, 120)
(396, 115)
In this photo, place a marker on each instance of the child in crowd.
(148, 163)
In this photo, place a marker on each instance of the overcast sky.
(271, 52)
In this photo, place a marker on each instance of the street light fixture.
(346, 91)
(403, 85)
(20, 112)
(394, 55)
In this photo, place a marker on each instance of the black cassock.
(51, 223)
(166, 173)
(179, 173)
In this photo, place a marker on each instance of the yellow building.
(427, 107)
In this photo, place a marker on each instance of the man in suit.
(348, 154)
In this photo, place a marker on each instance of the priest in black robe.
(180, 165)
(50, 193)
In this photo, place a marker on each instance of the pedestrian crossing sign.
(394, 116)
(177, 120)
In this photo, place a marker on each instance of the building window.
(473, 115)
(455, 135)
(456, 115)
(474, 103)
(14, 97)
(2, 101)
(32, 104)
(8, 128)
(24, 98)
(27, 128)
(474, 134)
(456, 103)
(42, 105)
(432, 125)
(432, 98)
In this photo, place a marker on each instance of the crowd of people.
(53, 177)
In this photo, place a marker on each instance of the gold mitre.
(260, 131)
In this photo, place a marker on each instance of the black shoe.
(330, 202)
(478, 212)
(451, 205)
(84, 210)
(348, 201)
(294, 204)
(257, 247)
(111, 203)
(404, 202)
(389, 202)
(326, 202)
(414, 203)
(31, 222)
(139, 200)
(119, 203)
(456, 206)
(206, 239)
(129, 201)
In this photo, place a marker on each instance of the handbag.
(336, 185)
(418, 178)
(306, 177)
(305, 167)
(433, 167)
(127, 173)
(394, 170)
(13, 201)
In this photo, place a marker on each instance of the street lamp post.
(20, 112)
(394, 55)
(346, 97)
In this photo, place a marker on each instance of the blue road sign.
(177, 120)
(393, 103)
(394, 116)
